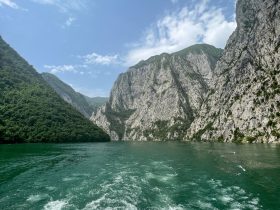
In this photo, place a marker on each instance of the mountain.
(84, 104)
(245, 104)
(96, 102)
(30, 111)
(68, 94)
(159, 98)
(202, 94)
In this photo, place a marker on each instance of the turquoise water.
(139, 176)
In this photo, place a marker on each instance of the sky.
(88, 43)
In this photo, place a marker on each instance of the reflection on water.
(139, 176)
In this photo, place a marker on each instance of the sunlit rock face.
(159, 98)
(245, 103)
(190, 96)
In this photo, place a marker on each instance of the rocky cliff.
(245, 103)
(188, 96)
(68, 94)
(159, 98)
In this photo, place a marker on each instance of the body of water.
(139, 176)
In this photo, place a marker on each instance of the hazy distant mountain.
(96, 102)
(84, 104)
(30, 111)
(68, 94)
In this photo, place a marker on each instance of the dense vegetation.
(30, 111)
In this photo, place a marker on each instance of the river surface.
(139, 176)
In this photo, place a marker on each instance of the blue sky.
(88, 43)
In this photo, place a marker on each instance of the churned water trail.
(139, 175)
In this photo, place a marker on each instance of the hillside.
(68, 94)
(30, 111)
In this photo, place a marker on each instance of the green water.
(139, 176)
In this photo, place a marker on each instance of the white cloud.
(9, 3)
(200, 23)
(69, 21)
(91, 92)
(95, 58)
(84, 67)
(64, 5)
(174, 1)
(81, 69)
(61, 69)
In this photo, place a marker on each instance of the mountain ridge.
(233, 98)
(30, 111)
(139, 91)
(68, 94)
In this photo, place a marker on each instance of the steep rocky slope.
(245, 104)
(96, 102)
(159, 98)
(68, 94)
(30, 111)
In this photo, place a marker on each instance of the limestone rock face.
(244, 104)
(159, 98)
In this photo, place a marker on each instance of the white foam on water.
(174, 208)
(162, 178)
(128, 205)
(118, 179)
(226, 199)
(81, 175)
(50, 188)
(69, 179)
(156, 189)
(215, 184)
(255, 201)
(241, 167)
(36, 198)
(55, 205)
(161, 165)
(205, 205)
(192, 184)
(122, 191)
(115, 203)
(236, 206)
(234, 197)
(95, 204)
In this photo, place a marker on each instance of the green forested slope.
(30, 111)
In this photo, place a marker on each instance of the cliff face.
(245, 104)
(188, 96)
(68, 94)
(158, 99)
